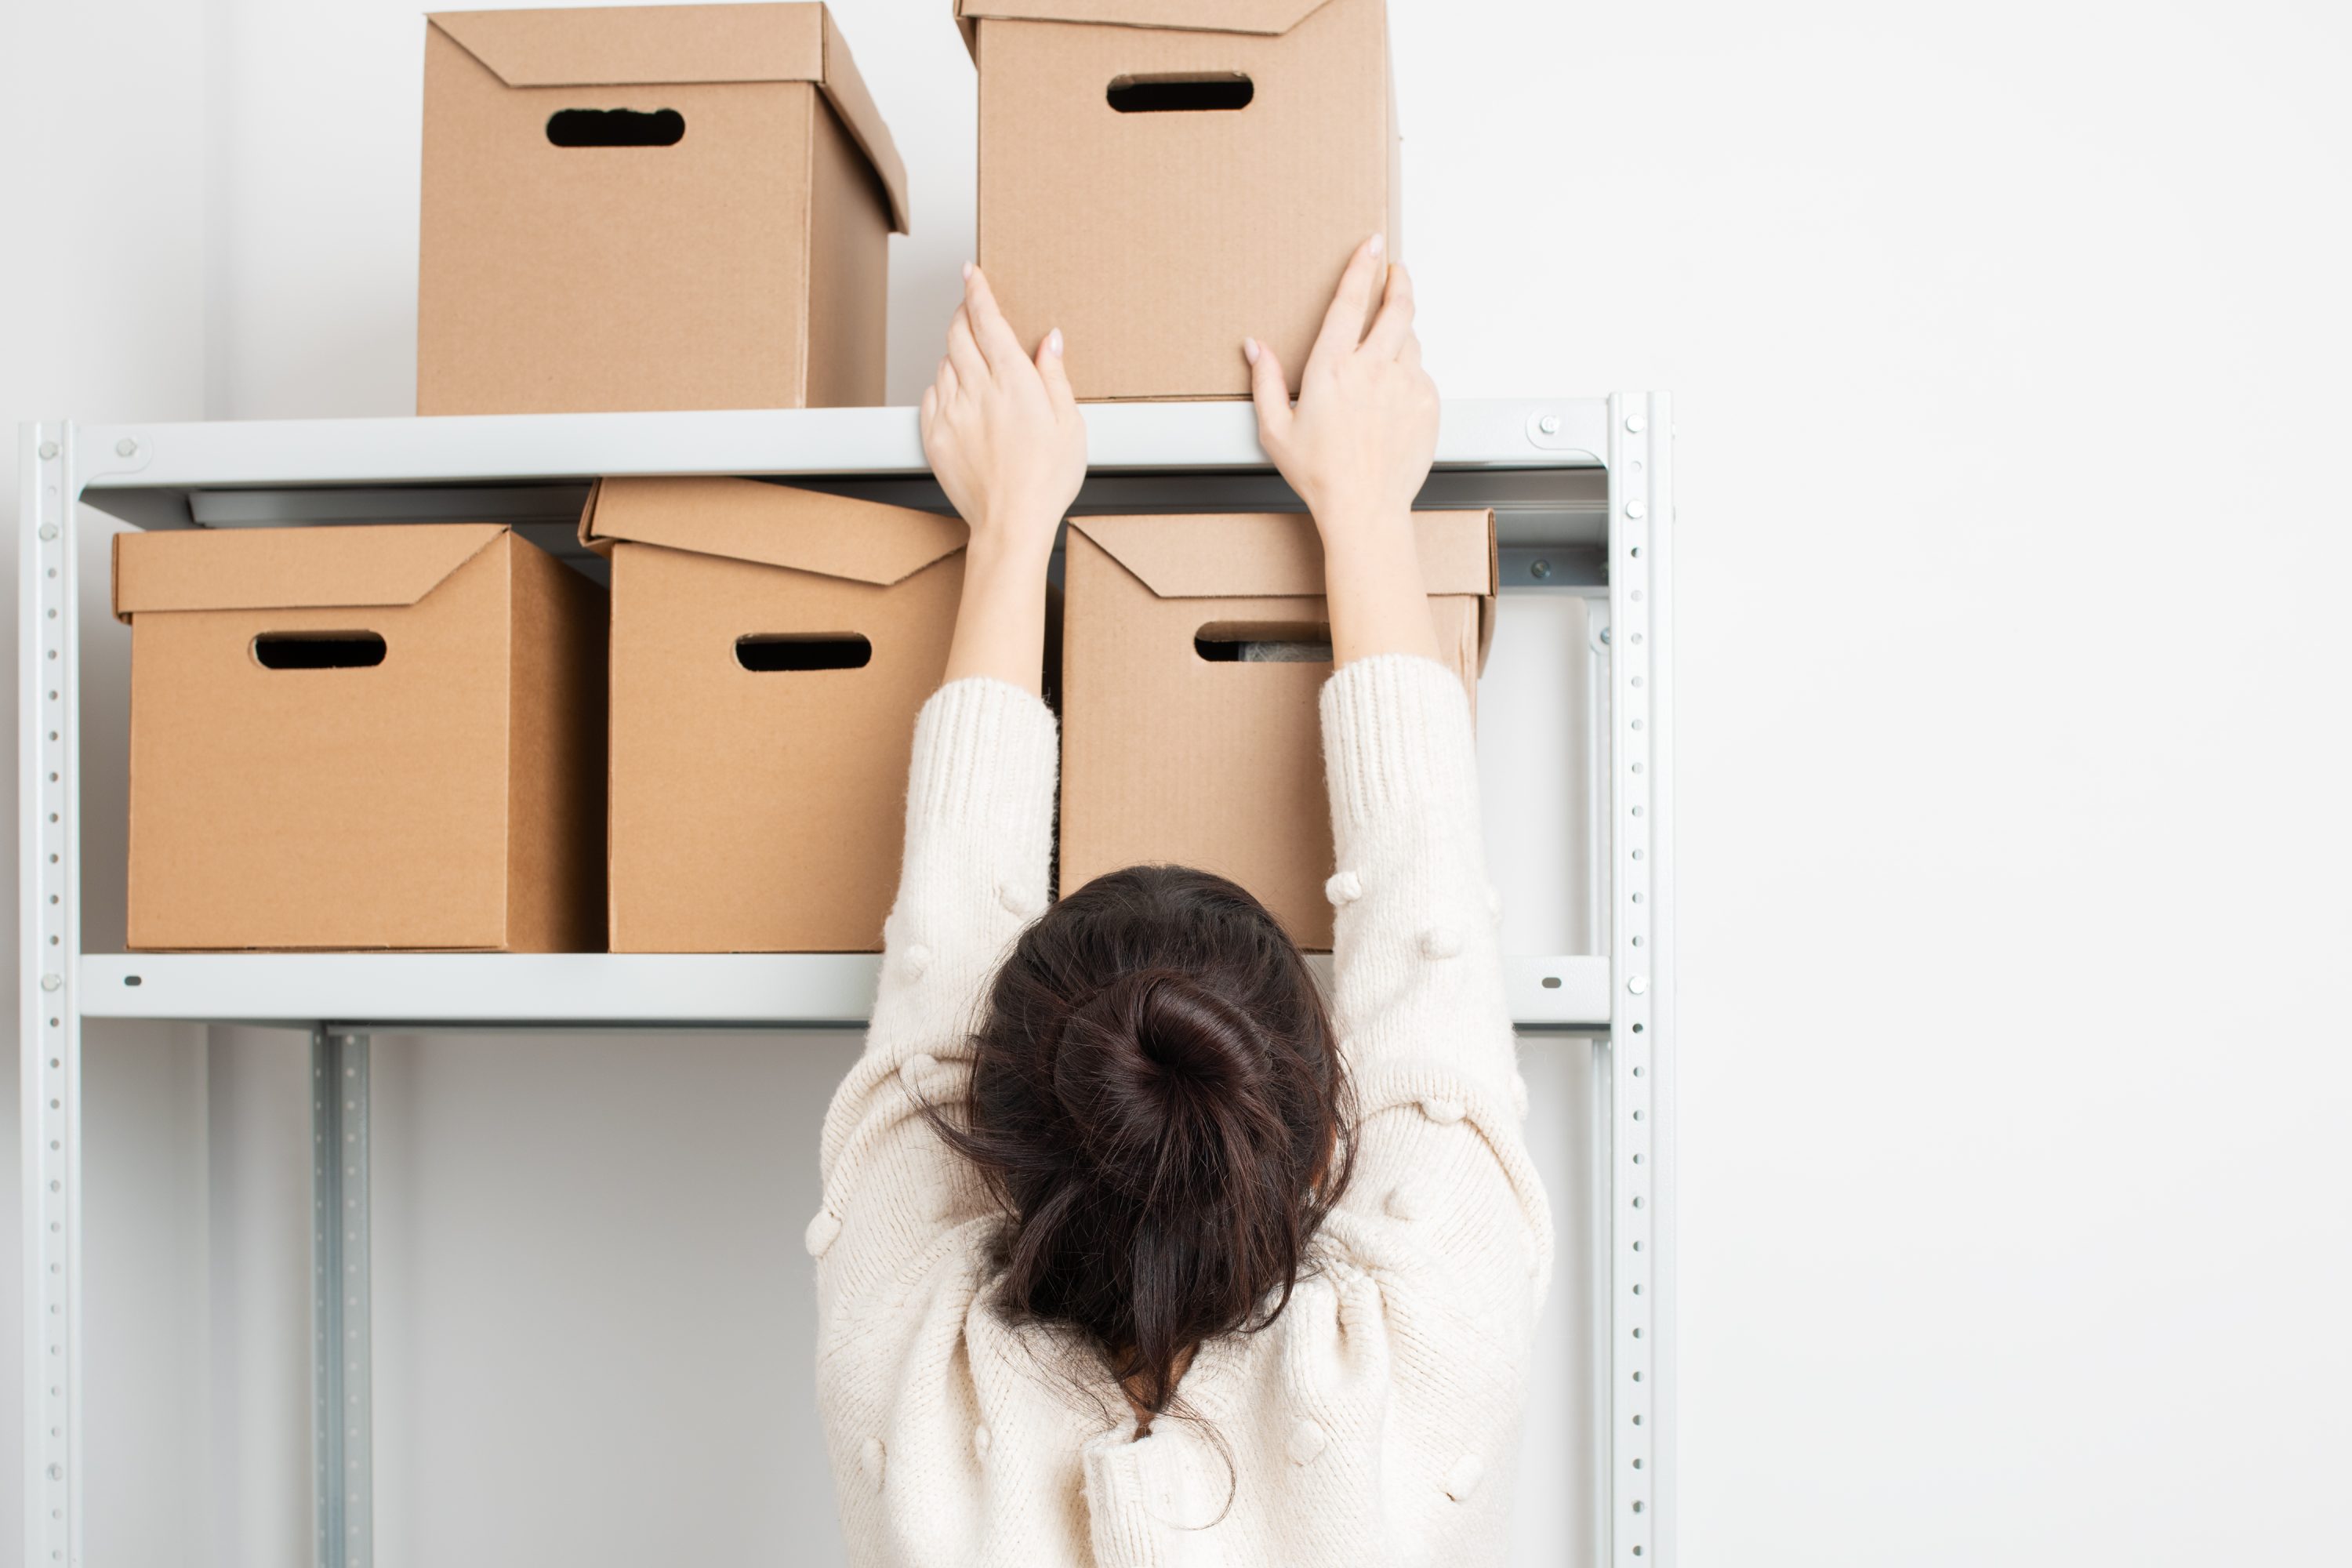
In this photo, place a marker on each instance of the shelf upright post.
(49, 1022)
(1638, 1399)
(341, 1381)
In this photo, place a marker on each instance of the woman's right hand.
(1360, 440)
(1356, 448)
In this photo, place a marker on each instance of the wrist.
(1352, 528)
(1010, 551)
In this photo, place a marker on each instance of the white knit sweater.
(1375, 1421)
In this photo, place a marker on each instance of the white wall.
(2007, 343)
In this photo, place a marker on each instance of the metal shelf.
(1582, 495)
(1121, 438)
(390, 992)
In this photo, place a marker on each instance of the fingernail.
(967, 271)
(1379, 244)
(1054, 342)
(1249, 350)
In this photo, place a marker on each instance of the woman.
(1131, 1253)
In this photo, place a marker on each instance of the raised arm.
(1006, 441)
(1444, 1204)
(1415, 963)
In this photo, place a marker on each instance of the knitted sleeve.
(1417, 989)
(980, 820)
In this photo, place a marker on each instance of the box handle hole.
(615, 128)
(1551, 982)
(766, 652)
(1173, 94)
(1263, 642)
(318, 650)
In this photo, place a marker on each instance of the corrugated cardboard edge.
(431, 567)
(559, 663)
(1145, 546)
(926, 537)
(832, 70)
(1164, 15)
(1486, 606)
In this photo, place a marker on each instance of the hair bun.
(1154, 1065)
(1159, 1099)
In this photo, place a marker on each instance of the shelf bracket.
(341, 1381)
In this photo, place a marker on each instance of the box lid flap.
(1276, 554)
(1264, 17)
(847, 91)
(776, 525)
(290, 568)
(651, 45)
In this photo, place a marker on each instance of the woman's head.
(1157, 1096)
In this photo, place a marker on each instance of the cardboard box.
(1161, 178)
(770, 649)
(639, 207)
(363, 738)
(1194, 649)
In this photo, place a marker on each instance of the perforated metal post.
(49, 1027)
(342, 1392)
(1639, 1399)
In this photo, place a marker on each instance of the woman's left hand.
(1003, 431)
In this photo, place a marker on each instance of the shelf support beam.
(341, 1379)
(1638, 1393)
(49, 1019)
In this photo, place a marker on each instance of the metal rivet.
(1635, 423)
(1638, 984)
(51, 982)
(1539, 570)
(1549, 424)
(125, 447)
(49, 530)
(1604, 633)
(48, 450)
(1634, 508)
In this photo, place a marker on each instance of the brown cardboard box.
(1190, 678)
(1155, 237)
(362, 738)
(736, 258)
(770, 649)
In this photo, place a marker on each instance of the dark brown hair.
(1157, 1098)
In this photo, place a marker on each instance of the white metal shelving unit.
(1583, 493)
